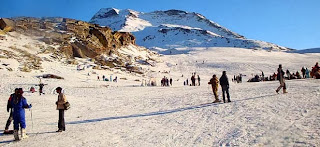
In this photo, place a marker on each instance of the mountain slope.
(26, 39)
(174, 29)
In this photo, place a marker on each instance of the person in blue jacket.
(19, 103)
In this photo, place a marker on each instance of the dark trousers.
(225, 89)
(9, 121)
(61, 124)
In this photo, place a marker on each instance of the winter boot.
(216, 101)
(285, 91)
(16, 135)
(23, 134)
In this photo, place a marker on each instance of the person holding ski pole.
(19, 103)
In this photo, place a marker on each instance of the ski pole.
(31, 118)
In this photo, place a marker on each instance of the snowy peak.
(105, 13)
(175, 28)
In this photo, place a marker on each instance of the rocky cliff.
(76, 38)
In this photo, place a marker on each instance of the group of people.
(106, 79)
(16, 106)
(224, 83)
(193, 79)
(305, 73)
(166, 82)
(237, 79)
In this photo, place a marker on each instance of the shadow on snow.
(161, 112)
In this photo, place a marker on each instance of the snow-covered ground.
(126, 114)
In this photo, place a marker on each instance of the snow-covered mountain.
(174, 29)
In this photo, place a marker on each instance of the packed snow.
(124, 113)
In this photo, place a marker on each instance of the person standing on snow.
(60, 106)
(19, 103)
(225, 86)
(215, 83)
(9, 109)
(303, 70)
(280, 77)
(198, 80)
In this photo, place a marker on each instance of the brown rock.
(7, 24)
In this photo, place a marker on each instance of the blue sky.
(290, 23)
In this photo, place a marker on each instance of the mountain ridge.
(128, 20)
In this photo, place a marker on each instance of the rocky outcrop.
(76, 38)
(6, 25)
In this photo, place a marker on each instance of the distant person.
(103, 77)
(171, 81)
(193, 80)
(41, 85)
(288, 74)
(307, 73)
(19, 103)
(225, 86)
(281, 80)
(214, 84)
(9, 109)
(60, 106)
(199, 80)
(303, 71)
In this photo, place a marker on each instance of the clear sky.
(290, 23)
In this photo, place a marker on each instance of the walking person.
(214, 84)
(60, 106)
(9, 109)
(280, 77)
(225, 86)
(19, 103)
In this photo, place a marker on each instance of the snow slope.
(176, 28)
(125, 114)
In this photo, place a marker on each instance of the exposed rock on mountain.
(173, 29)
(76, 38)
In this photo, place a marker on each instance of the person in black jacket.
(9, 109)
(225, 86)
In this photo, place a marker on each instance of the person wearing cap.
(281, 80)
(19, 103)
(60, 106)
(225, 86)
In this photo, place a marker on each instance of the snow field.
(125, 114)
